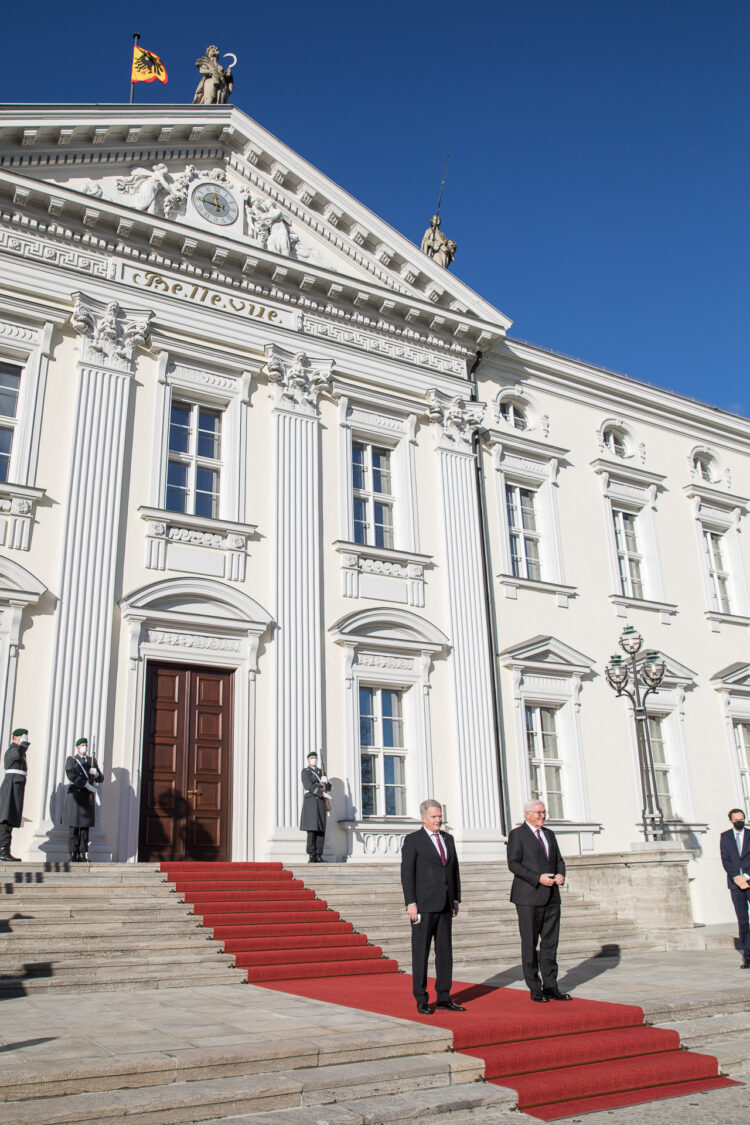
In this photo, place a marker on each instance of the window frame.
(193, 461)
(11, 424)
(379, 751)
(371, 498)
(720, 513)
(535, 730)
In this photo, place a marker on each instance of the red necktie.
(542, 841)
(440, 848)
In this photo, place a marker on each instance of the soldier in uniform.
(79, 813)
(315, 806)
(12, 791)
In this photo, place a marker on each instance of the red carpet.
(586, 1054)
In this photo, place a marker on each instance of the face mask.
(738, 825)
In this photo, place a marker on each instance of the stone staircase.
(68, 928)
(485, 933)
(715, 1023)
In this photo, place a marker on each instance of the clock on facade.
(215, 203)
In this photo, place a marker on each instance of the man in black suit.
(538, 873)
(734, 847)
(432, 892)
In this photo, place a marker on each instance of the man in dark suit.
(432, 892)
(734, 847)
(538, 873)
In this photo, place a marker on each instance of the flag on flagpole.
(147, 67)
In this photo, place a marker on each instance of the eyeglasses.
(538, 814)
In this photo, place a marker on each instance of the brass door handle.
(192, 792)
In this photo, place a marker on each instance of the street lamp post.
(649, 675)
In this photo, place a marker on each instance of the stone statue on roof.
(435, 245)
(216, 81)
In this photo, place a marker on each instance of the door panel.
(187, 764)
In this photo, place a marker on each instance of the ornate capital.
(456, 420)
(299, 381)
(110, 334)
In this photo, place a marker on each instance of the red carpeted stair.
(275, 928)
(562, 1059)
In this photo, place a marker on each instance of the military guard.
(12, 790)
(315, 806)
(79, 813)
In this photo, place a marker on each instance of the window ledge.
(512, 585)
(715, 619)
(17, 508)
(176, 541)
(383, 573)
(378, 837)
(622, 603)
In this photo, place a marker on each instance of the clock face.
(215, 203)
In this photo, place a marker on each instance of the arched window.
(615, 441)
(514, 413)
(704, 467)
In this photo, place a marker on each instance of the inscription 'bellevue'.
(201, 294)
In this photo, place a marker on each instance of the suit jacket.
(527, 860)
(730, 857)
(424, 878)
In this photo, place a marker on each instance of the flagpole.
(136, 37)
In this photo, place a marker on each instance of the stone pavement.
(40, 1030)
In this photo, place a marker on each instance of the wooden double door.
(186, 787)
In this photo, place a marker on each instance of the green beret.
(313, 754)
(82, 742)
(19, 732)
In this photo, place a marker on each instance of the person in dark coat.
(12, 791)
(315, 806)
(79, 812)
(538, 873)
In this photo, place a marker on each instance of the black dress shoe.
(556, 994)
(745, 964)
(540, 997)
(450, 1006)
(424, 1009)
(6, 857)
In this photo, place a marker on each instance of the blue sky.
(599, 181)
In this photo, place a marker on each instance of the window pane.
(369, 791)
(366, 717)
(10, 379)
(360, 521)
(6, 442)
(383, 526)
(208, 434)
(533, 567)
(555, 805)
(381, 471)
(395, 773)
(207, 493)
(179, 428)
(177, 479)
(528, 515)
(393, 732)
(359, 467)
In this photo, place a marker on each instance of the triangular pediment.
(736, 675)
(548, 651)
(191, 174)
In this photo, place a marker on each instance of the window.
(718, 573)
(523, 532)
(741, 728)
(703, 465)
(661, 764)
(194, 461)
(514, 414)
(382, 752)
(615, 442)
(372, 495)
(10, 381)
(545, 762)
(629, 557)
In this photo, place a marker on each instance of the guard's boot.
(6, 857)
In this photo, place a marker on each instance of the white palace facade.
(272, 479)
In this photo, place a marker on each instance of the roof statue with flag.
(146, 67)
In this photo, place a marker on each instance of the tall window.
(742, 744)
(10, 381)
(194, 463)
(661, 764)
(718, 572)
(545, 760)
(629, 556)
(703, 466)
(372, 495)
(382, 752)
(523, 531)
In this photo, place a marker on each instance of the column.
(298, 383)
(477, 825)
(83, 632)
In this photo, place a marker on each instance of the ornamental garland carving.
(199, 538)
(192, 640)
(395, 663)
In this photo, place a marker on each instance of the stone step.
(150, 960)
(81, 930)
(121, 913)
(110, 978)
(194, 940)
(200, 1099)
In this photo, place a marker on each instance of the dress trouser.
(78, 840)
(740, 902)
(539, 925)
(5, 831)
(437, 925)
(316, 843)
